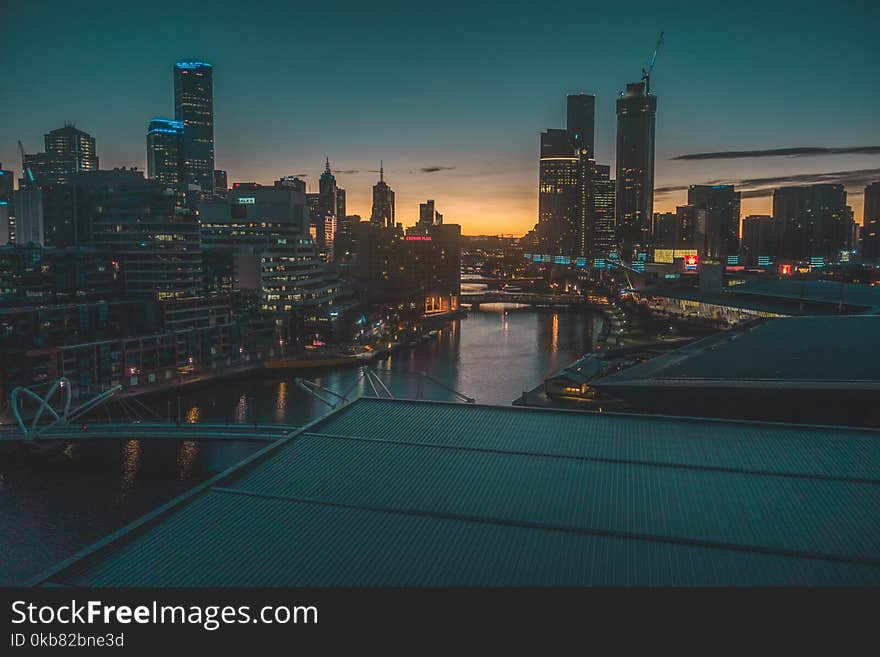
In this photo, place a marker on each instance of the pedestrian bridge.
(155, 430)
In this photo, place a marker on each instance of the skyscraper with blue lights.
(164, 152)
(194, 108)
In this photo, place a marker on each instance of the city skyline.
(454, 131)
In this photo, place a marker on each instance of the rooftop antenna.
(646, 72)
(381, 172)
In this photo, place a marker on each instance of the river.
(52, 506)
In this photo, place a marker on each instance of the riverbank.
(629, 336)
(312, 360)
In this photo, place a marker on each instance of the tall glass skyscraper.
(581, 123)
(383, 203)
(164, 156)
(634, 203)
(194, 108)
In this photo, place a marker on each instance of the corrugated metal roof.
(391, 493)
(650, 439)
(236, 540)
(818, 350)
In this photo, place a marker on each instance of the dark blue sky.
(465, 85)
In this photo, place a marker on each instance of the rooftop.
(847, 294)
(405, 493)
(827, 352)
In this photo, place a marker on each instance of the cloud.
(853, 179)
(346, 172)
(433, 169)
(799, 151)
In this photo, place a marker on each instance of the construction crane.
(646, 71)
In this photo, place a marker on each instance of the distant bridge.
(526, 298)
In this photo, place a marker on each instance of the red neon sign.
(418, 238)
(785, 270)
(691, 261)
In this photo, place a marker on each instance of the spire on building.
(381, 172)
(327, 166)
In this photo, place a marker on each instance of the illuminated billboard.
(691, 262)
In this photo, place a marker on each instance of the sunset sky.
(453, 96)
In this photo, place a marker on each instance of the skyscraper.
(581, 123)
(813, 222)
(555, 143)
(871, 223)
(383, 202)
(164, 146)
(636, 110)
(6, 193)
(758, 240)
(194, 107)
(221, 182)
(68, 151)
(558, 205)
(340, 204)
(595, 229)
(324, 217)
(428, 215)
(720, 229)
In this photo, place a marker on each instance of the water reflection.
(131, 464)
(241, 409)
(281, 402)
(186, 458)
(193, 415)
(491, 356)
(52, 508)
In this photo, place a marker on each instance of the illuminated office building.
(68, 151)
(194, 108)
(636, 110)
(558, 204)
(595, 210)
(262, 235)
(6, 205)
(164, 152)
